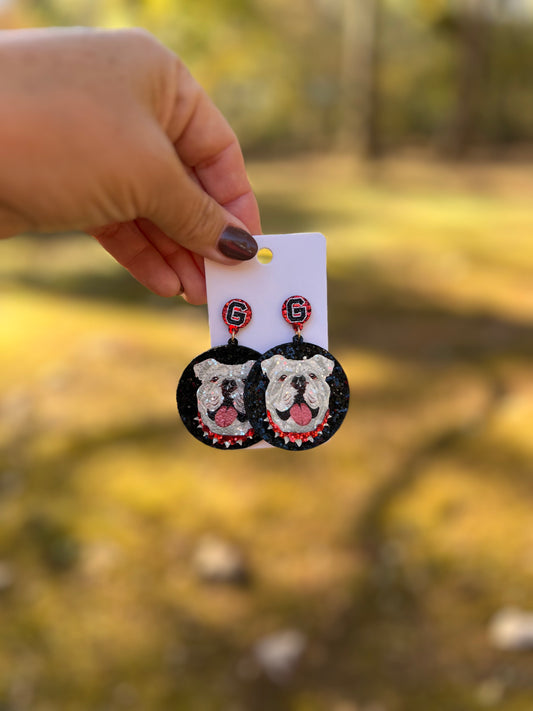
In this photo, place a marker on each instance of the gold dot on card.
(264, 256)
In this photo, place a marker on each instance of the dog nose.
(298, 382)
(228, 386)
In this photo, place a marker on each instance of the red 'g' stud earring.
(210, 393)
(297, 393)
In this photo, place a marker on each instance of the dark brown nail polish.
(236, 243)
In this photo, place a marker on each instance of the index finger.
(205, 142)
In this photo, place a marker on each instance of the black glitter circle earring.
(210, 393)
(297, 393)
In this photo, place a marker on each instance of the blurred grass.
(390, 548)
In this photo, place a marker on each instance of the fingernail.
(236, 243)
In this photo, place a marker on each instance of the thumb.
(187, 214)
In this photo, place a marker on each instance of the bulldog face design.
(220, 397)
(297, 396)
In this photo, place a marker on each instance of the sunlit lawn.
(390, 548)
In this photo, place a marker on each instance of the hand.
(107, 131)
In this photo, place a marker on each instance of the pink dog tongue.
(225, 416)
(301, 414)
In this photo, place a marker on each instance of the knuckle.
(200, 223)
(140, 34)
(137, 39)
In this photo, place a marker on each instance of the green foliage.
(274, 68)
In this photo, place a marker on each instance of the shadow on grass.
(117, 287)
(369, 312)
(282, 216)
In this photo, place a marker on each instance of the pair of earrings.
(294, 396)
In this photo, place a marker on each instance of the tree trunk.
(472, 45)
(359, 77)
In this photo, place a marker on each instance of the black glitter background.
(257, 382)
(188, 385)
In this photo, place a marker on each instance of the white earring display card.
(297, 267)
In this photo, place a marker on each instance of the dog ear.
(275, 362)
(325, 364)
(246, 367)
(202, 369)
